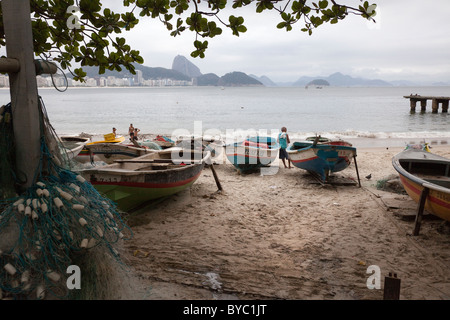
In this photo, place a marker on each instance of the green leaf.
(323, 4)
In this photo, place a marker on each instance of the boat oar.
(357, 172)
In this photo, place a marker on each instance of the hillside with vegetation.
(238, 79)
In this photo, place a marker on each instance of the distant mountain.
(237, 78)
(184, 66)
(162, 73)
(303, 81)
(264, 80)
(318, 82)
(340, 80)
(184, 70)
(209, 79)
(147, 73)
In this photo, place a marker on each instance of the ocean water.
(368, 114)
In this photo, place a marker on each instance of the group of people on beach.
(132, 131)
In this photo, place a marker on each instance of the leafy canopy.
(86, 32)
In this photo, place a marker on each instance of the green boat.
(133, 182)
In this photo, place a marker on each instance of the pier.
(435, 102)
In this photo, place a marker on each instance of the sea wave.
(357, 138)
(351, 134)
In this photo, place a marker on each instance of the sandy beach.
(285, 236)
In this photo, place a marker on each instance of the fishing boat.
(252, 153)
(132, 182)
(86, 155)
(321, 139)
(109, 152)
(72, 145)
(199, 143)
(321, 159)
(164, 142)
(419, 169)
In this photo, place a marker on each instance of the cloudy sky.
(409, 41)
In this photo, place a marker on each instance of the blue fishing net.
(58, 218)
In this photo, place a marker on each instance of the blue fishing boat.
(321, 159)
(252, 153)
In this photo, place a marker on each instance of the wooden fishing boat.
(164, 142)
(321, 139)
(321, 159)
(420, 169)
(252, 153)
(198, 143)
(72, 145)
(86, 155)
(109, 152)
(132, 182)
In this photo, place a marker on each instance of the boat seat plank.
(143, 160)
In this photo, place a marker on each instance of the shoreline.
(358, 142)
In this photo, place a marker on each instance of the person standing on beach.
(136, 130)
(131, 129)
(283, 140)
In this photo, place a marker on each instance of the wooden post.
(216, 178)
(435, 106)
(23, 88)
(9, 65)
(445, 106)
(420, 209)
(391, 287)
(412, 103)
(357, 172)
(423, 105)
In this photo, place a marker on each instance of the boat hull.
(130, 189)
(321, 159)
(73, 145)
(129, 195)
(251, 157)
(418, 169)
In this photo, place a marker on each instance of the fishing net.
(56, 223)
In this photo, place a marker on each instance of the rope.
(40, 70)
